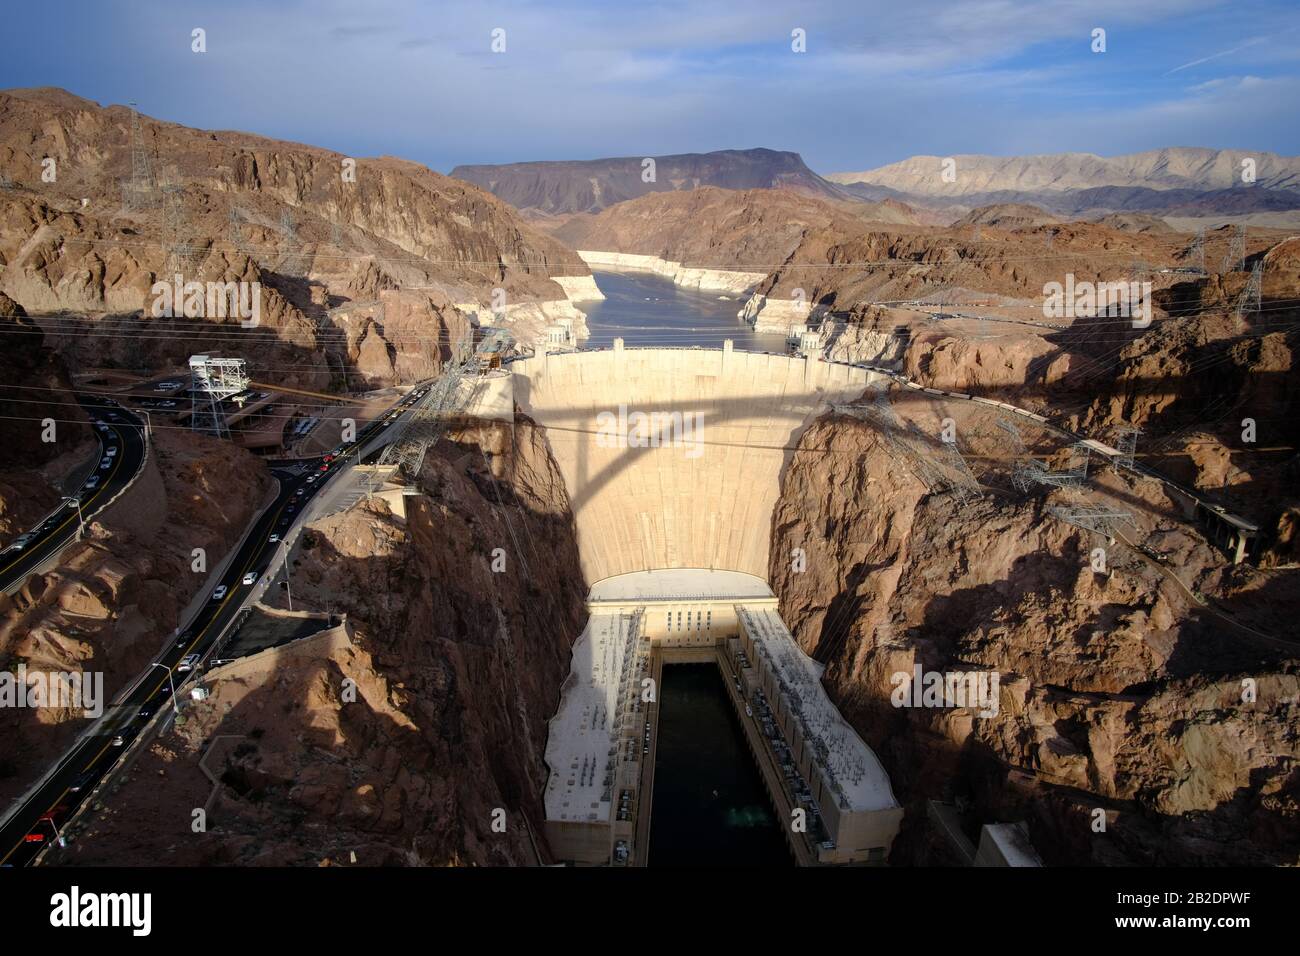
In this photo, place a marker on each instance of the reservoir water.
(710, 807)
(646, 309)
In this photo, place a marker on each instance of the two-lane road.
(121, 453)
(33, 824)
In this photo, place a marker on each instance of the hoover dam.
(672, 459)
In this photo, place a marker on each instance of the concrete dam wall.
(673, 457)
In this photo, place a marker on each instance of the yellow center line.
(99, 491)
(190, 647)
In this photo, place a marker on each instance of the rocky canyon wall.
(408, 743)
(1120, 697)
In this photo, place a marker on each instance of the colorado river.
(646, 309)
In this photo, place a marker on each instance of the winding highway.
(122, 450)
(35, 821)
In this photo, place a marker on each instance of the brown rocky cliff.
(116, 597)
(34, 386)
(1115, 693)
(457, 670)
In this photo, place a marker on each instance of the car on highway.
(20, 542)
(301, 491)
(274, 539)
(220, 592)
(250, 577)
(83, 781)
(147, 711)
(106, 464)
(188, 663)
(311, 478)
(111, 451)
(185, 638)
(325, 466)
(92, 481)
(290, 509)
(119, 741)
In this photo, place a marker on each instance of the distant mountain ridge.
(566, 187)
(1187, 181)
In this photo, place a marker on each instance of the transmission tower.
(139, 191)
(1235, 260)
(937, 468)
(1126, 445)
(427, 421)
(1249, 301)
(1101, 521)
(1027, 471)
(1196, 252)
(212, 381)
(293, 262)
(178, 253)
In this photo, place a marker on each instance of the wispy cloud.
(1253, 41)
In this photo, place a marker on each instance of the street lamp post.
(287, 589)
(171, 679)
(81, 521)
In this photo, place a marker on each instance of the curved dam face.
(673, 457)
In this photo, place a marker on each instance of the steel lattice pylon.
(1250, 296)
(1235, 260)
(1028, 471)
(212, 381)
(1126, 445)
(938, 466)
(1196, 252)
(427, 421)
(138, 192)
(1101, 521)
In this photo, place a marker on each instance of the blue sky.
(879, 81)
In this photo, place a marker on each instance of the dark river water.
(647, 309)
(710, 807)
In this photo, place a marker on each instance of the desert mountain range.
(592, 185)
(1181, 181)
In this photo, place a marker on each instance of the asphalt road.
(34, 823)
(123, 432)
